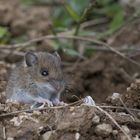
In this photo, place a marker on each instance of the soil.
(99, 77)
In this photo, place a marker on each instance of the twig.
(72, 37)
(82, 17)
(113, 120)
(96, 48)
(120, 49)
(127, 109)
(40, 109)
(93, 22)
(4, 133)
(119, 107)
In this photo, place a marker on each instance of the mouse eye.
(44, 72)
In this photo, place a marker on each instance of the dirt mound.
(81, 122)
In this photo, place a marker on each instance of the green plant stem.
(83, 16)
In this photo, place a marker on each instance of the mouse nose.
(58, 85)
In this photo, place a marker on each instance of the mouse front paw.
(57, 102)
(49, 103)
(41, 100)
(62, 104)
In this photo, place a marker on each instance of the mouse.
(37, 80)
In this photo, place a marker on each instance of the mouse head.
(44, 67)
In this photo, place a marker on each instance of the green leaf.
(61, 18)
(117, 21)
(71, 12)
(79, 6)
(3, 32)
(4, 35)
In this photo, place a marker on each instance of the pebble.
(72, 109)
(96, 119)
(123, 137)
(10, 138)
(47, 135)
(103, 130)
(115, 96)
(115, 132)
(77, 136)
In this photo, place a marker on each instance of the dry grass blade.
(119, 107)
(4, 133)
(21, 45)
(127, 109)
(40, 109)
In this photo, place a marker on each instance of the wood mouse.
(37, 80)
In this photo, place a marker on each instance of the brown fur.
(30, 81)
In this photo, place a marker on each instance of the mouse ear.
(30, 59)
(57, 55)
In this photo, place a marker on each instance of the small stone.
(36, 112)
(72, 109)
(128, 89)
(77, 136)
(10, 138)
(123, 137)
(126, 129)
(115, 132)
(133, 86)
(40, 128)
(103, 130)
(96, 119)
(73, 114)
(115, 96)
(47, 135)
